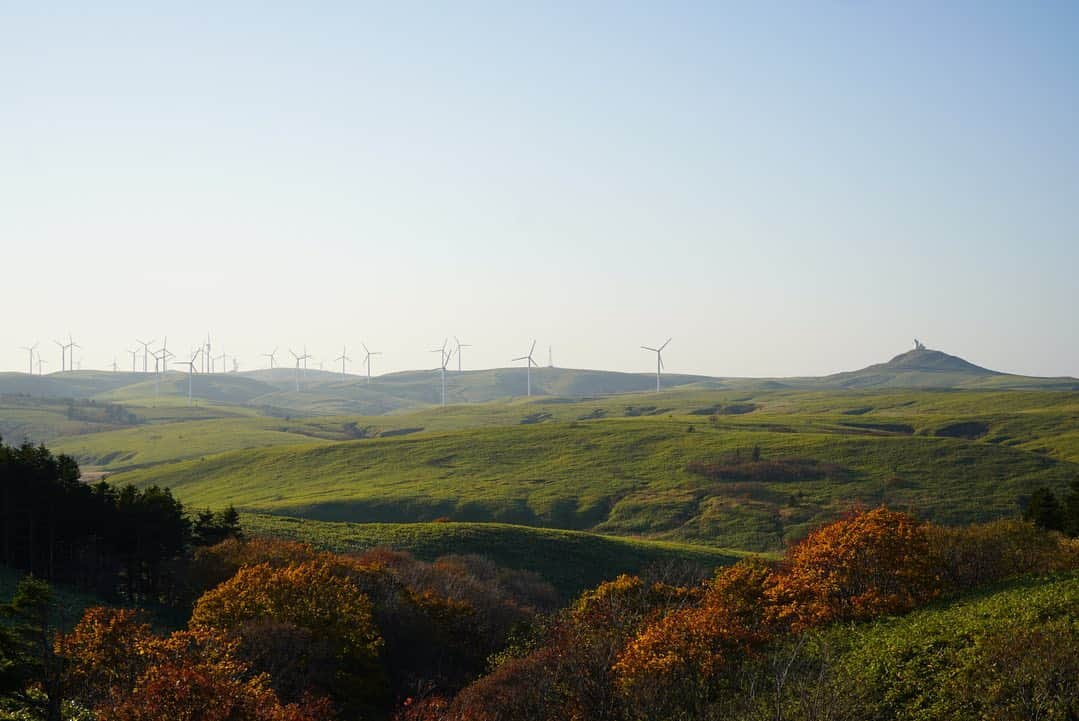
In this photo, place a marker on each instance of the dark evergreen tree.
(27, 658)
(1071, 509)
(1044, 510)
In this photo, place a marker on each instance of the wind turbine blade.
(665, 344)
(514, 360)
(532, 349)
(654, 350)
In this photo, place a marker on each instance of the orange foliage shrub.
(216, 564)
(872, 563)
(682, 653)
(206, 692)
(123, 672)
(321, 613)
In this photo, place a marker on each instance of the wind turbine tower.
(63, 351)
(30, 350)
(145, 354)
(460, 345)
(343, 357)
(367, 360)
(445, 362)
(161, 365)
(71, 346)
(163, 355)
(40, 362)
(659, 360)
(299, 358)
(190, 371)
(529, 365)
(271, 355)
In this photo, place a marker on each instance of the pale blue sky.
(785, 188)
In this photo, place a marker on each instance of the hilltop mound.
(932, 361)
(920, 368)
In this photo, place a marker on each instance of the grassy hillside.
(1020, 417)
(951, 457)
(135, 447)
(571, 561)
(274, 392)
(945, 662)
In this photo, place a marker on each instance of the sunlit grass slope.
(921, 666)
(631, 475)
(569, 560)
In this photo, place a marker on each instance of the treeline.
(94, 412)
(120, 543)
(279, 632)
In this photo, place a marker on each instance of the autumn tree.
(677, 662)
(311, 611)
(108, 650)
(120, 670)
(871, 563)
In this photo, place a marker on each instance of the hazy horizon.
(787, 191)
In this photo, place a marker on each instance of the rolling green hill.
(570, 560)
(274, 392)
(727, 463)
(971, 658)
(950, 456)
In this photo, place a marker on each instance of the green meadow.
(706, 463)
(571, 561)
(629, 465)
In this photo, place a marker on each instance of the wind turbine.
(207, 359)
(161, 364)
(342, 358)
(30, 350)
(145, 354)
(223, 357)
(460, 345)
(529, 366)
(71, 346)
(367, 360)
(134, 355)
(659, 360)
(40, 362)
(63, 350)
(271, 356)
(163, 354)
(190, 371)
(445, 362)
(299, 358)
